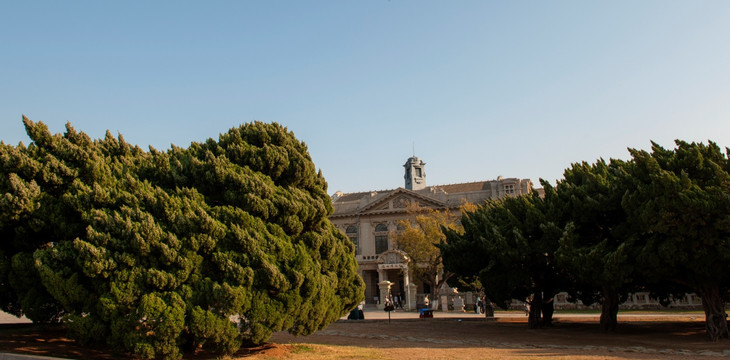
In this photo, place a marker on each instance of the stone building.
(368, 218)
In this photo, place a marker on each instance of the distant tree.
(594, 247)
(419, 236)
(215, 245)
(678, 203)
(511, 244)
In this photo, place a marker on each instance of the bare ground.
(572, 337)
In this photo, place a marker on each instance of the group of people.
(357, 313)
(479, 307)
(393, 302)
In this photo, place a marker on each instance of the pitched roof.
(449, 189)
(464, 187)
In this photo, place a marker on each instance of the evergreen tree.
(594, 246)
(511, 244)
(216, 245)
(678, 203)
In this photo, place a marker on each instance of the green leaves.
(510, 243)
(215, 245)
(659, 222)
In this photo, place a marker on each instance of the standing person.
(388, 304)
(396, 299)
(400, 301)
(478, 305)
(426, 302)
(487, 308)
(360, 313)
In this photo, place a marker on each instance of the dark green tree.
(216, 245)
(594, 247)
(678, 203)
(30, 186)
(510, 243)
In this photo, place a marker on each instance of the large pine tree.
(214, 245)
(510, 243)
(679, 205)
(593, 246)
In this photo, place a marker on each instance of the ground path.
(455, 335)
(469, 336)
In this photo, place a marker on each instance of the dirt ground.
(572, 337)
(509, 338)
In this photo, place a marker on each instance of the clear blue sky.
(482, 88)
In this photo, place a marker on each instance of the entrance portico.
(394, 277)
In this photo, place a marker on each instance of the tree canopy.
(659, 222)
(678, 203)
(214, 245)
(419, 236)
(593, 247)
(511, 245)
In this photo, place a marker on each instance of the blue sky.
(479, 88)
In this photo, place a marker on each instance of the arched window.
(381, 238)
(351, 233)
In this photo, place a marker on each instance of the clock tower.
(415, 174)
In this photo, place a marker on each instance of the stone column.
(444, 302)
(406, 281)
(411, 297)
(384, 292)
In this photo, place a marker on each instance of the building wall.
(367, 209)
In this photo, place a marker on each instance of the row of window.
(352, 229)
(381, 238)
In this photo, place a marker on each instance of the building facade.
(368, 218)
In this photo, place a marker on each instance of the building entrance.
(393, 278)
(397, 287)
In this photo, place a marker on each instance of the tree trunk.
(438, 284)
(548, 308)
(533, 321)
(715, 316)
(488, 309)
(609, 309)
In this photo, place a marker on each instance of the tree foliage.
(511, 245)
(216, 245)
(419, 236)
(659, 222)
(678, 203)
(594, 247)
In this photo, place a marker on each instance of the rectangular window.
(356, 243)
(352, 234)
(381, 244)
(509, 189)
